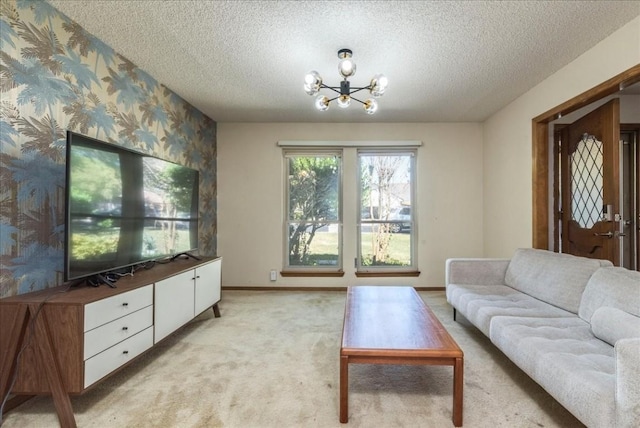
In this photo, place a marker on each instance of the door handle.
(608, 234)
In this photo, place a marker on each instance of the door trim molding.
(540, 147)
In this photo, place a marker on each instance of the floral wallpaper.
(54, 76)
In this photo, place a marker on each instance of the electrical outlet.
(273, 275)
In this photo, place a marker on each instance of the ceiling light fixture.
(347, 68)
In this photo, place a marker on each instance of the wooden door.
(590, 157)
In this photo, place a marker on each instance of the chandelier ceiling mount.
(347, 68)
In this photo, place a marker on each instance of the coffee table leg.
(344, 389)
(458, 382)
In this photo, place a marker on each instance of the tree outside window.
(386, 222)
(313, 226)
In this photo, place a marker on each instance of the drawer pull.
(125, 328)
(125, 304)
(125, 352)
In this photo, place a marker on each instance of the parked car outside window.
(401, 214)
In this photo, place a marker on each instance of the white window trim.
(287, 153)
(414, 209)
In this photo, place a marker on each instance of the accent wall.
(58, 77)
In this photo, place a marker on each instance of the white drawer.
(100, 365)
(107, 335)
(109, 309)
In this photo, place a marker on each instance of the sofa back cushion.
(558, 279)
(615, 287)
(612, 324)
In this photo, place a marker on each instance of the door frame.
(541, 148)
(633, 129)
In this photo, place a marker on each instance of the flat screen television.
(124, 208)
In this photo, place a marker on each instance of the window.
(386, 226)
(313, 226)
(379, 198)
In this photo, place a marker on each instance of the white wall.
(250, 198)
(630, 109)
(507, 138)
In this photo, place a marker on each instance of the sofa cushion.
(612, 324)
(459, 294)
(563, 356)
(613, 286)
(628, 382)
(480, 303)
(578, 381)
(558, 279)
(525, 339)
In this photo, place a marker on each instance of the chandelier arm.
(335, 89)
(354, 90)
(355, 99)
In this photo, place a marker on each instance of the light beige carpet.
(272, 360)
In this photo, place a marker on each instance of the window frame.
(308, 270)
(412, 268)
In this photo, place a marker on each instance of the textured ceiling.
(447, 61)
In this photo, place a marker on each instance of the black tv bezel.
(115, 149)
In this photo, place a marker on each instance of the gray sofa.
(571, 323)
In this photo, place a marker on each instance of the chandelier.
(347, 68)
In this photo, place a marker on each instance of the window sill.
(310, 273)
(387, 274)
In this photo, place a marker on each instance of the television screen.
(125, 208)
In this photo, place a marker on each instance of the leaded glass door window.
(586, 182)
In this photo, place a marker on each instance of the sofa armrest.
(476, 271)
(627, 353)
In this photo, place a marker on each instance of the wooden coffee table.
(392, 325)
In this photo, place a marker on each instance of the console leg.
(216, 310)
(61, 400)
(16, 337)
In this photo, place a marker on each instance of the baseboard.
(238, 288)
(270, 288)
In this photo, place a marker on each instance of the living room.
(474, 185)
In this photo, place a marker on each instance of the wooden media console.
(64, 340)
